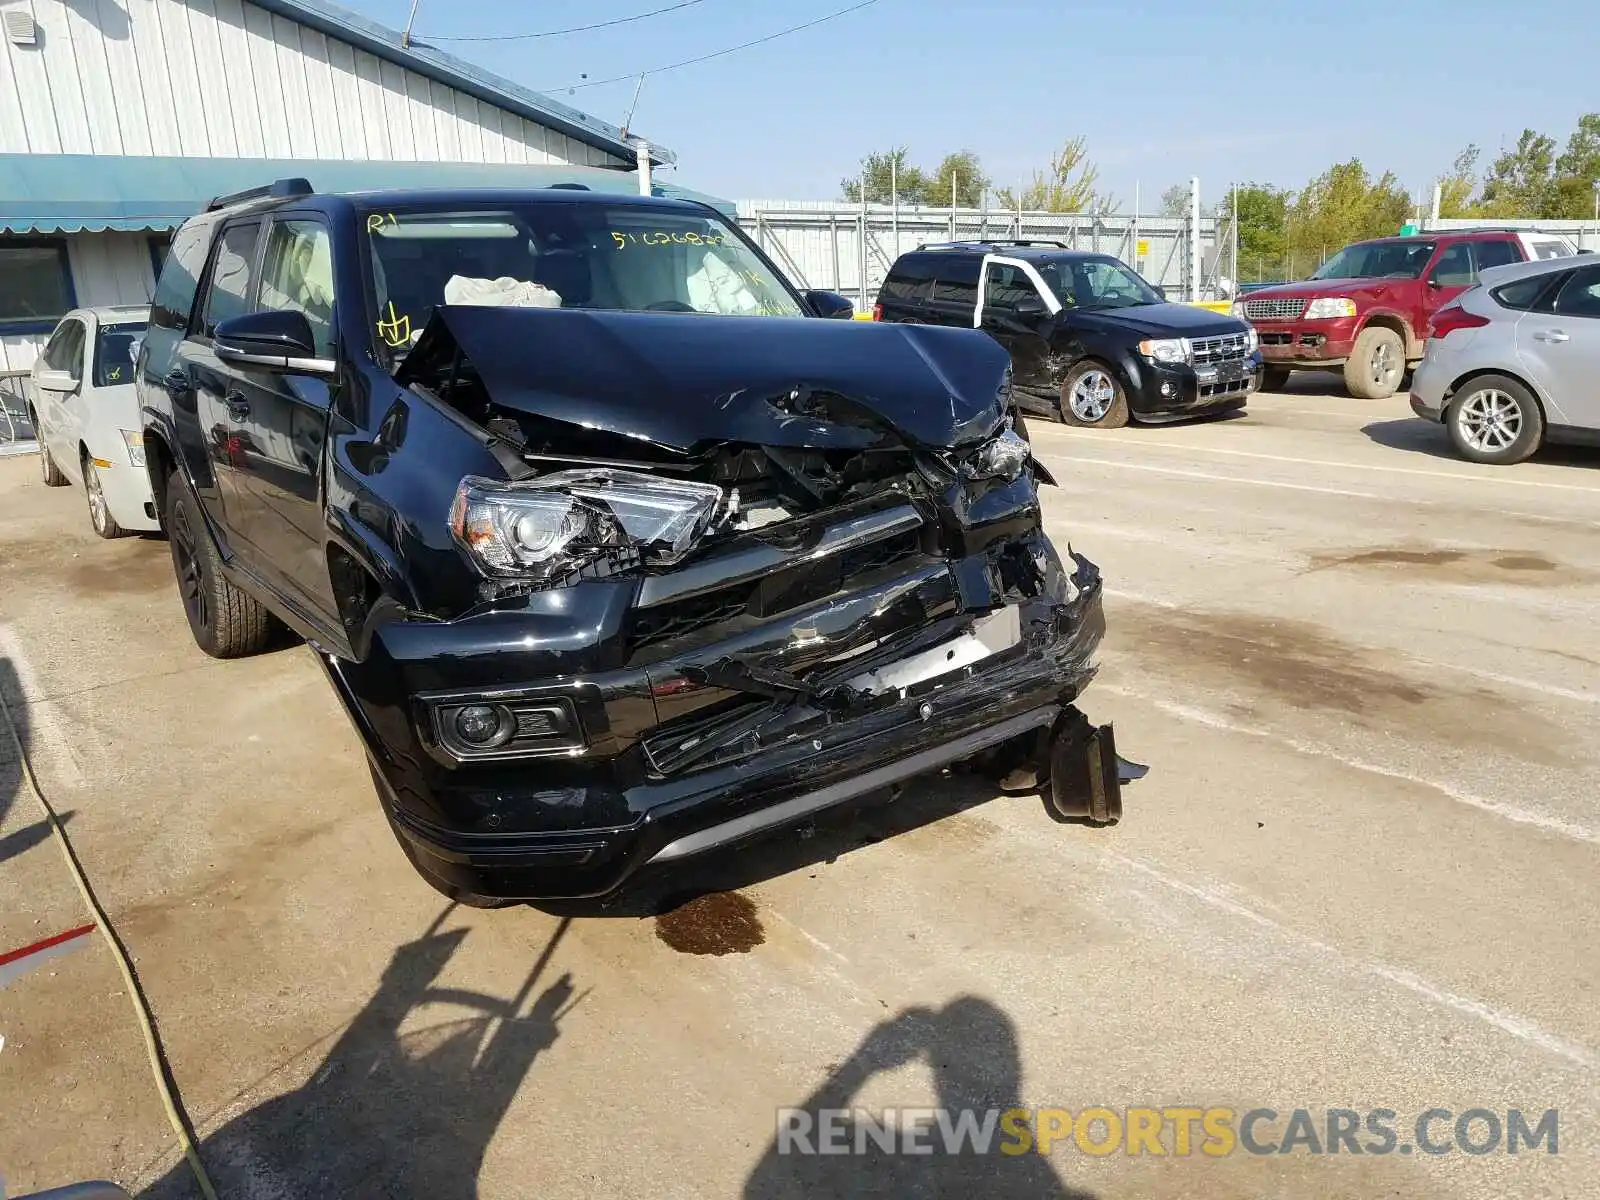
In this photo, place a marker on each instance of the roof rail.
(278, 188)
(962, 245)
(568, 187)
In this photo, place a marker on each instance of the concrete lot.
(1364, 872)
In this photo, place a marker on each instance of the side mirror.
(830, 304)
(1029, 306)
(1159, 290)
(1433, 282)
(49, 379)
(276, 341)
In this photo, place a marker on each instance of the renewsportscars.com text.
(1169, 1130)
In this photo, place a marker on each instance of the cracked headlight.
(1001, 457)
(562, 524)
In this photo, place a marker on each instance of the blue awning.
(73, 193)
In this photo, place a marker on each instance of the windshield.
(548, 255)
(114, 349)
(1377, 260)
(1087, 284)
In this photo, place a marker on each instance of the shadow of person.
(970, 1046)
(12, 781)
(392, 1112)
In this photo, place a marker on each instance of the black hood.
(1161, 320)
(678, 380)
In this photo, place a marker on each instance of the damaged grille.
(783, 590)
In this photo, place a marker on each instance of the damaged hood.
(678, 380)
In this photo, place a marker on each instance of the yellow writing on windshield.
(665, 237)
(396, 331)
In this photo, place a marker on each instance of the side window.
(228, 290)
(1496, 254)
(65, 351)
(1524, 295)
(1454, 268)
(957, 283)
(35, 279)
(908, 282)
(1580, 295)
(180, 276)
(297, 274)
(1006, 285)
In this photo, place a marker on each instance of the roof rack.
(962, 245)
(568, 187)
(278, 188)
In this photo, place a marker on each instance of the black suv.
(1092, 342)
(613, 552)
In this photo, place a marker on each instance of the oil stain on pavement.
(718, 923)
(1456, 565)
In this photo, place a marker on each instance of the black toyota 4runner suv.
(1093, 343)
(613, 552)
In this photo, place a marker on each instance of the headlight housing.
(1001, 457)
(1252, 340)
(1166, 350)
(134, 441)
(599, 521)
(1325, 307)
(1238, 309)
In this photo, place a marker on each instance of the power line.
(549, 33)
(689, 62)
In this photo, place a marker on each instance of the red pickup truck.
(1367, 308)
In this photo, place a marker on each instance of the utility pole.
(1194, 237)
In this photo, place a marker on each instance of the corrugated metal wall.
(107, 268)
(225, 79)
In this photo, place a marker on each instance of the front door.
(1561, 349)
(63, 352)
(1019, 313)
(229, 288)
(1451, 274)
(283, 421)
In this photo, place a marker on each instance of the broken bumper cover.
(658, 779)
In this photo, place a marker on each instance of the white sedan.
(86, 413)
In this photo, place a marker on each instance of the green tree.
(1343, 205)
(1456, 187)
(1263, 211)
(885, 174)
(962, 172)
(1521, 181)
(1577, 172)
(1067, 187)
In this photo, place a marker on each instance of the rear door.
(1007, 284)
(281, 420)
(228, 291)
(955, 291)
(1561, 349)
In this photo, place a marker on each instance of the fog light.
(484, 726)
(1166, 389)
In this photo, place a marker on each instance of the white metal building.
(119, 118)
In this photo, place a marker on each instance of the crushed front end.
(842, 619)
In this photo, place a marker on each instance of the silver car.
(1515, 362)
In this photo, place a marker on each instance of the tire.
(1494, 419)
(227, 622)
(53, 475)
(100, 518)
(1376, 365)
(448, 890)
(1274, 379)
(1092, 398)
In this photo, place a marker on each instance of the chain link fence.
(16, 431)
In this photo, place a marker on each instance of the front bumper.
(1321, 343)
(127, 492)
(1163, 391)
(671, 767)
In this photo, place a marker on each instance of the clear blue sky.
(1227, 89)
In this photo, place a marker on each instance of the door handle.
(238, 406)
(1551, 335)
(176, 381)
